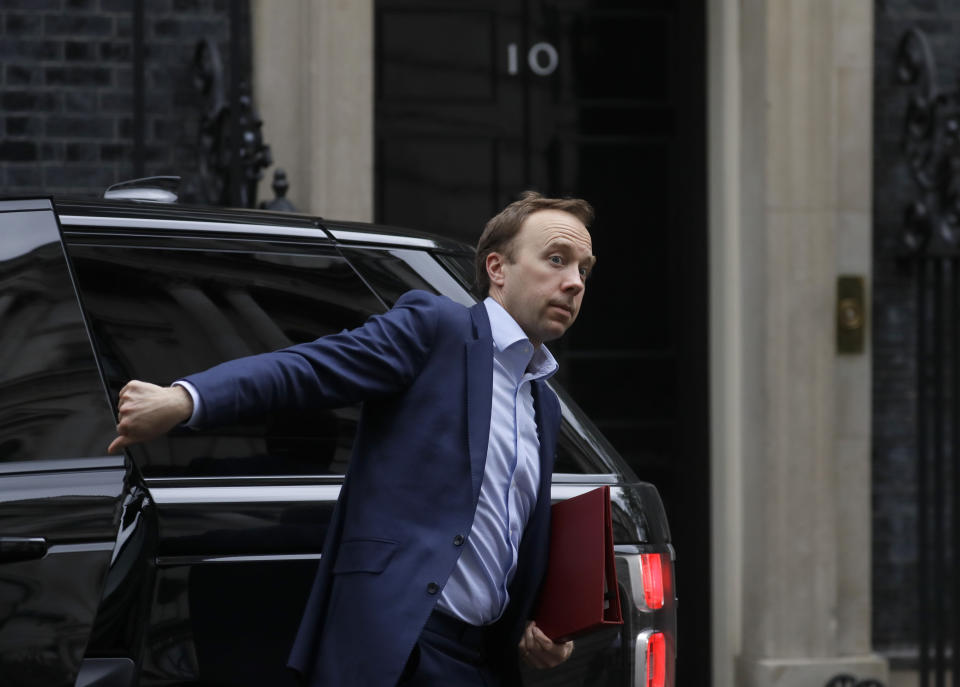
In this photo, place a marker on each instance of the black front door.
(480, 99)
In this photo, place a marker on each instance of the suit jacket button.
(433, 588)
(458, 540)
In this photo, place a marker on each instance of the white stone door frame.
(789, 131)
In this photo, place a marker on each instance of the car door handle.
(13, 549)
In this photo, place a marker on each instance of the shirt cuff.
(192, 390)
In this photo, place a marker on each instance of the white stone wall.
(313, 79)
(790, 183)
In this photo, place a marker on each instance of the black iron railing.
(232, 153)
(931, 251)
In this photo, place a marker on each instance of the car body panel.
(59, 496)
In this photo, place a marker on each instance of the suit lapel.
(546, 412)
(479, 394)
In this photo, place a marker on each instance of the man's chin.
(553, 331)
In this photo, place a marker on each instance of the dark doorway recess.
(604, 99)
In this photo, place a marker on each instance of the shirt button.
(433, 588)
(458, 540)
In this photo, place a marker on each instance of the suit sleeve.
(379, 358)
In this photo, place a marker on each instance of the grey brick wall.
(66, 90)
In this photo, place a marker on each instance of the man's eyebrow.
(560, 243)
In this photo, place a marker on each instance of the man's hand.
(146, 411)
(540, 651)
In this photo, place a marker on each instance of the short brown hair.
(503, 227)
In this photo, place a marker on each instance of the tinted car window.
(391, 272)
(52, 403)
(387, 273)
(463, 267)
(581, 448)
(160, 314)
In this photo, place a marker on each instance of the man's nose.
(573, 280)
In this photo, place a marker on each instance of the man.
(438, 544)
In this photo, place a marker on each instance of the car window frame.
(114, 234)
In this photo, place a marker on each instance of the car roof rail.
(158, 189)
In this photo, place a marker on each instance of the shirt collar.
(507, 334)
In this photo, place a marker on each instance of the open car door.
(60, 494)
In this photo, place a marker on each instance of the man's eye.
(556, 259)
(583, 272)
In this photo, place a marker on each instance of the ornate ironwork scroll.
(931, 144)
(218, 144)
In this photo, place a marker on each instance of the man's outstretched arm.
(147, 411)
(376, 359)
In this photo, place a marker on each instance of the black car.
(188, 560)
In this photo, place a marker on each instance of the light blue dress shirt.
(476, 591)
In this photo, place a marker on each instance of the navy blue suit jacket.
(424, 371)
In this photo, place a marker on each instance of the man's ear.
(495, 263)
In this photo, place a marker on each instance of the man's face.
(541, 285)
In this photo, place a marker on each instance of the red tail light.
(656, 660)
(651, 572)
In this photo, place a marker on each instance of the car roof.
(342, 231)
(364, 232)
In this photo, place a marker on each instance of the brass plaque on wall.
(851, 314)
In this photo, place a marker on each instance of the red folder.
(580, 590)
